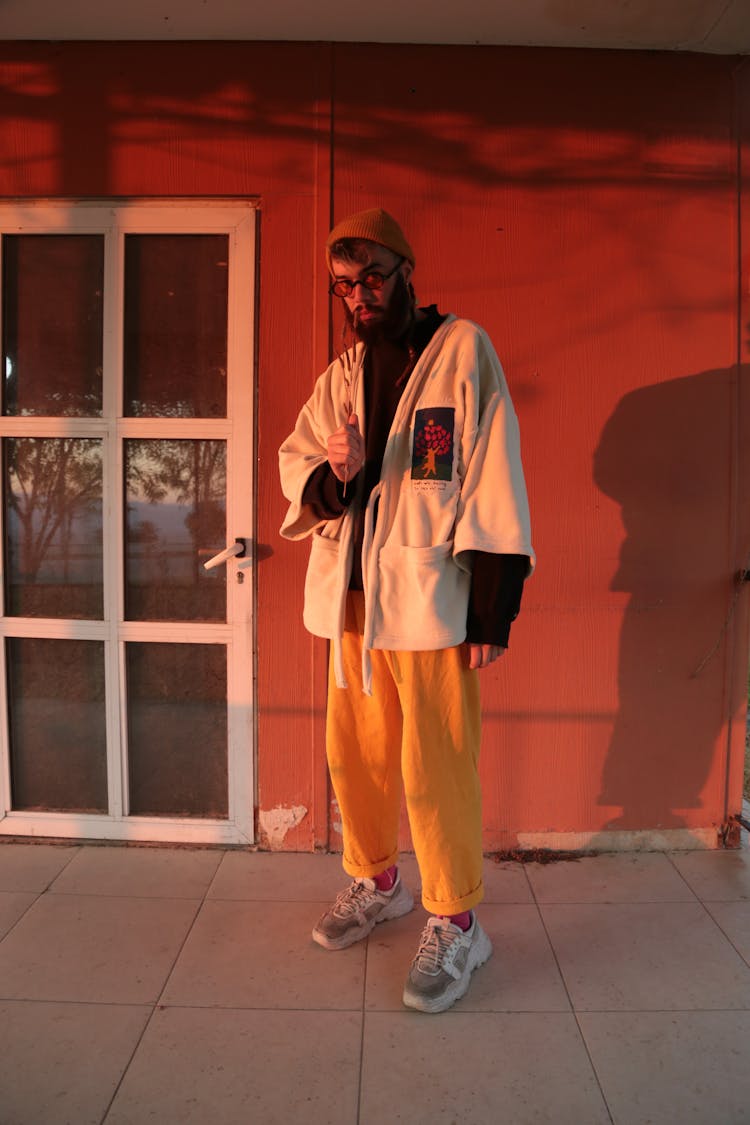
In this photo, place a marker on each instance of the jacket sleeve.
(493, 510)
(304, 451)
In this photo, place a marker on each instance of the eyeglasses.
(373, 281)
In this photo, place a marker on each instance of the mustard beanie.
(375, 225)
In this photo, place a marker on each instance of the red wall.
(583, 207)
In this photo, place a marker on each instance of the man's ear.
(407, 269)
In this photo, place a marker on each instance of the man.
(404, 468)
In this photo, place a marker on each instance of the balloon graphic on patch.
(432, 452)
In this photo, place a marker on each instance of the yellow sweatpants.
(420, 729)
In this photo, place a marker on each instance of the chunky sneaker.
(358, 909)
(445, 960)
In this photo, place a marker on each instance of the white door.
(127, 439)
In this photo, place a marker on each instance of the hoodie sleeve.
(495, 598)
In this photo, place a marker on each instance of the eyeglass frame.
(361, 281)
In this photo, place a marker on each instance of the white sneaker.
(358, 909)
(441, 971)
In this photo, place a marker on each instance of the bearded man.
(404, 469)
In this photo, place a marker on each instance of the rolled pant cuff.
(369, 870)
(454, 905)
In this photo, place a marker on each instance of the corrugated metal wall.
(583, 207)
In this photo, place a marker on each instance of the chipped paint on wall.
(336, 817)
(275, 823)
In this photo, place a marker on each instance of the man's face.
(373, 312)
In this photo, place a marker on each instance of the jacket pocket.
(423, 596)
(321, 586)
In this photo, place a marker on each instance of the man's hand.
(346, 450)
(480, 656)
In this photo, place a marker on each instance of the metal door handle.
(237, 549)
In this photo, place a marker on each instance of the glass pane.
(176, 325)
(175, 519)
(177, 729)
(53, 527)
(52, 324)
(58, 748)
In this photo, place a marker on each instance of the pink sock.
(386, 879)
(463, 920)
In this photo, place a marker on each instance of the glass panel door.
(127, 666)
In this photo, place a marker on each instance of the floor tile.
(92, 948)
(140, 872)
(658, 1068)
(32, 867)
(641, 877)
(225, 1067)
(12, 906)
(521, 975)
(506, 882)
(734, 919)
(278, 877)
(519, 1068)
(716, 876)
(242, 955)
(629, 956)
(290, 877)
(62, 1062)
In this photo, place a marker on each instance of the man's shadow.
(667, 455)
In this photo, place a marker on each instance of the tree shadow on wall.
(440, 105)
(665, 456)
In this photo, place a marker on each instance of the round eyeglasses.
(372, 280)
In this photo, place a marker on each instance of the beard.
(392, 322)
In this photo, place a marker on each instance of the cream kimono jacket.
(451, 483)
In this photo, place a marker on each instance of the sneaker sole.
(478, 954)
(394, 910)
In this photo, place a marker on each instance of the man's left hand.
(480, 656)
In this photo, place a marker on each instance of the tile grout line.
(22, 915)
(38, 894)
(704, 903)
(128, 1063)
(676, 868)
(574, 1013)
(155, 1007)
(724, 933)
(362, 1031)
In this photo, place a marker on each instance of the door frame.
(116, 218)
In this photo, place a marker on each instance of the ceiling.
(714, 26)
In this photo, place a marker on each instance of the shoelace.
(433, 946)
(350, 900)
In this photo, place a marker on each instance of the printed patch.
(432, 452)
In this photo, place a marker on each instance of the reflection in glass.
(52, 491)
(175, 520)
(176, 325)
(56, 722)
(177, 729)
(52, 324)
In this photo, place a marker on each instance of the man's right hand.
(346, 450)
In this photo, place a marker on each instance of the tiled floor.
(177, 986)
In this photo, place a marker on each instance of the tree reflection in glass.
(53, 527)
(175, 519)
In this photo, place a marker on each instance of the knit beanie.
(375, 225)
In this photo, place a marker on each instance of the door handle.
(236, 550)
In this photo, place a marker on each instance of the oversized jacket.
(451, 483)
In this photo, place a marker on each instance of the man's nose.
(361, 294)
(363, 290)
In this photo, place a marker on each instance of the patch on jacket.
(432, 452)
